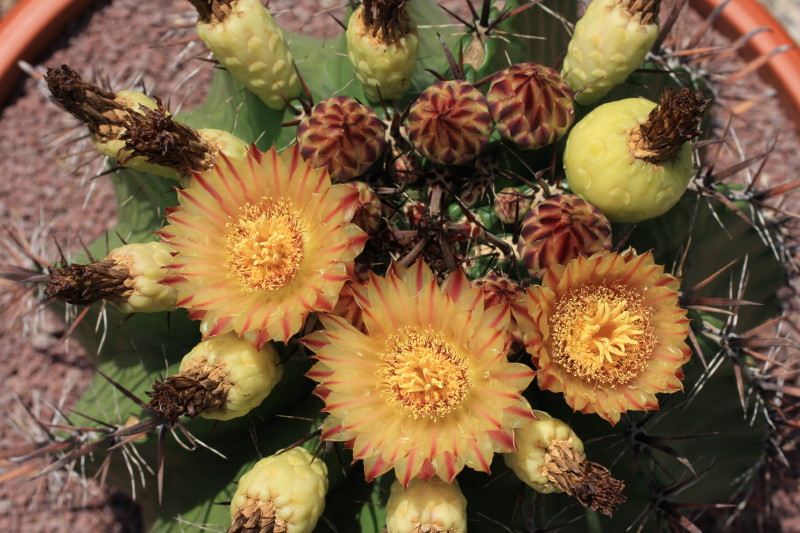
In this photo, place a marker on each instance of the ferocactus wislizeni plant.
(430, 315)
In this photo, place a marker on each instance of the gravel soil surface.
(44, 199)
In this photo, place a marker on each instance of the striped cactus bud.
(246, 41)
(550, 458)
(382, 44)
(368, 213)
(450, 123)
(130, 278)
(512, 204)
(633, 158)
(500, 290)
(281, 493)
(432, 506)
(561, 228)
(531, 105)
(610, 41)
(342, 135)
(222, 378)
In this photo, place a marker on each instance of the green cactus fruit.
(433, 506)
(342, 135)
(382, 44)
(549, 458)
(450, 123)
(130, 278)
(248, 43)
(283, 492)
(632, 158)
(531, 105)
(559, 229)
(610, 41)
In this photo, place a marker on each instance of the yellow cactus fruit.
(432, 506)
(281, 493)
(382, 44)
(222, 378)
(632, 158)
(146, 264)
(130, 278)
(611, 40)
(550, 458)
(246, 41)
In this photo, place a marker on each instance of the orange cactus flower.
(261, 243)
(426, 389)
(607, 331)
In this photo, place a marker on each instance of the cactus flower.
(607, 332)
(260, 244)
(427, 389)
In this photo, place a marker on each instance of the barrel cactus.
(355, 334)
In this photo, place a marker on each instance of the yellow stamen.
(602, 333)
(423, 373)
(264, 248)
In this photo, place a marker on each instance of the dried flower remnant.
(632, 158)
(275, 247)
(427, 389)
(130, 278)
(607, 331)
(550, 458)
(154, 135)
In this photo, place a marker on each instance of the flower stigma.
(264, 247)
(423, 373)
(602, 333)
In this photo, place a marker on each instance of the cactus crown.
(675, 121)
(644, 11)
(386, 20)
(153, 134)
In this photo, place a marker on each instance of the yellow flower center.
(264, 247)
(602, 333)
(423, 373)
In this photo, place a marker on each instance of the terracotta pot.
(27, 30)
(32, 24)
(782, 71)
